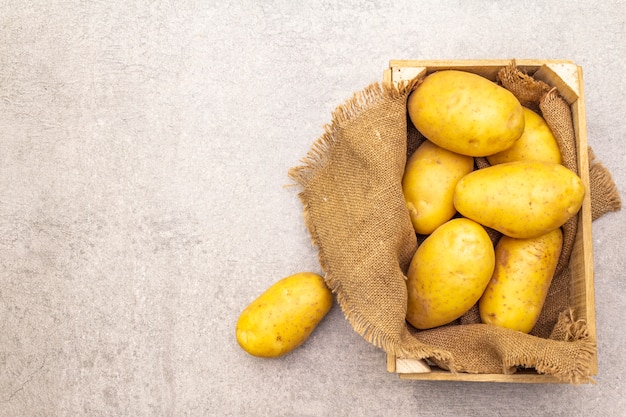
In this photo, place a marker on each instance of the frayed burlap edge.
(605, 197)
(317, 159)
(360, 101)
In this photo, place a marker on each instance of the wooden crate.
(566, 76)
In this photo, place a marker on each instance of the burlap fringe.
(405, 347)
(576, 375)
(316, 159)
(605, 196)
(570, 330)
(378, 338)
(567, 330)
(527, 90)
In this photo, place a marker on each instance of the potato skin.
(283, 317)
(430, 176)
(520, 282)
(537, 143)
(448, 273)
(520, 199)
(466, 113)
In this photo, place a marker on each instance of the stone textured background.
(144, 149)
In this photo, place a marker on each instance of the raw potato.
(430, 176)
(520, 199)
(284, 316)
(520, 282)
(466, 113)
(448, 273)
(537, 143)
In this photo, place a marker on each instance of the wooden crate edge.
(574, 95)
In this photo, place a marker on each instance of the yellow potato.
(537, 143)
(284, 316)
(466, 113)
(448, 273)
(520, 199)
(430, 176)
(520, 282)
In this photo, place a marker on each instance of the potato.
(284, 316)
(520, 199)
(430, 176)
(537, 143)
(520, 282)
(466, 113)
(448, 273)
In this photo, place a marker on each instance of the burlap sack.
(355, 212)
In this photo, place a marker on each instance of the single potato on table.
(430, 176)
(537, 143)
(520, 199)
(520, 282)
(448, 273)
(466, 113)
(283, 317)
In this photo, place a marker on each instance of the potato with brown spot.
(448, 273)
(428, 183)
(466, 113)
(519, 285)
(537, 143)
(284, 316)
(520, 199)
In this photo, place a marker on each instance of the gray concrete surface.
(144, 149)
